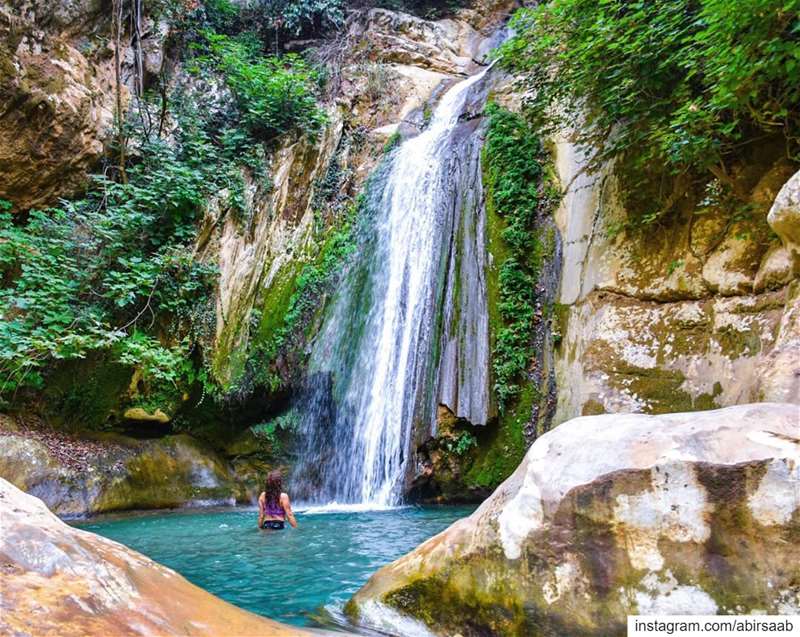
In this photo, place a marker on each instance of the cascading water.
(408, 318)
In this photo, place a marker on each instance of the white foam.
(336, 507)
(387, 620)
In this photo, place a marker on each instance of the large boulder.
(62, 581)
(691, 513)
(78, 476)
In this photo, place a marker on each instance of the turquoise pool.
(299, 576)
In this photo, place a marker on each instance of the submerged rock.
(690, 513)
(58, 580)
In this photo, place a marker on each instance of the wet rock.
(58, 580)
(259, 262)
(692, 513)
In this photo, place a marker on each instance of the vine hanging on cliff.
(119, 114)
(513, 160)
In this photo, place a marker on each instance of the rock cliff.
(57, 93)
(698, 312)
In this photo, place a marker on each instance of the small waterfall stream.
(407, 329)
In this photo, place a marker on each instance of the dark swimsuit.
(273, 511)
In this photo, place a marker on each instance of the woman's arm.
(260, 510)
(287, 507)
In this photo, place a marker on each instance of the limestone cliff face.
(57, 93)
(698, 312)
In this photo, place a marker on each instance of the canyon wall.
(697, 311)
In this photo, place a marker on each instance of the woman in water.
(274, 507)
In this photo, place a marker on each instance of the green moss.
(161, 474)
(662, 389)
(394, 140)
(734, 343)
(592, 407)
(491, 605)
(497, 248)
(288, 316)
(427, 115)
(503, 446)
(93, 403)
(515, 178)
(55, 85)
(275, 303)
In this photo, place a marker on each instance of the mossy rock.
(96, 402)
(173, 471)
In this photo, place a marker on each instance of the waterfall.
(407, 329)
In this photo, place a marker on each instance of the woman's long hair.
(273, 488)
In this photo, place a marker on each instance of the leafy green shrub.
(92, 274)
(681, 82)
(513, 177)
(275, 95)
(461, 444)
(270, 431)
(392, 142)
(310, 15)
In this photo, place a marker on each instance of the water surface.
(299, 576)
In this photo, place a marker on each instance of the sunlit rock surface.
(690, 513)
(682, 315)
(113, 473)
(784, 216)
(57, 580)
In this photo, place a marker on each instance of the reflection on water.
(293, 576)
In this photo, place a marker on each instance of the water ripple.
(295, 576)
